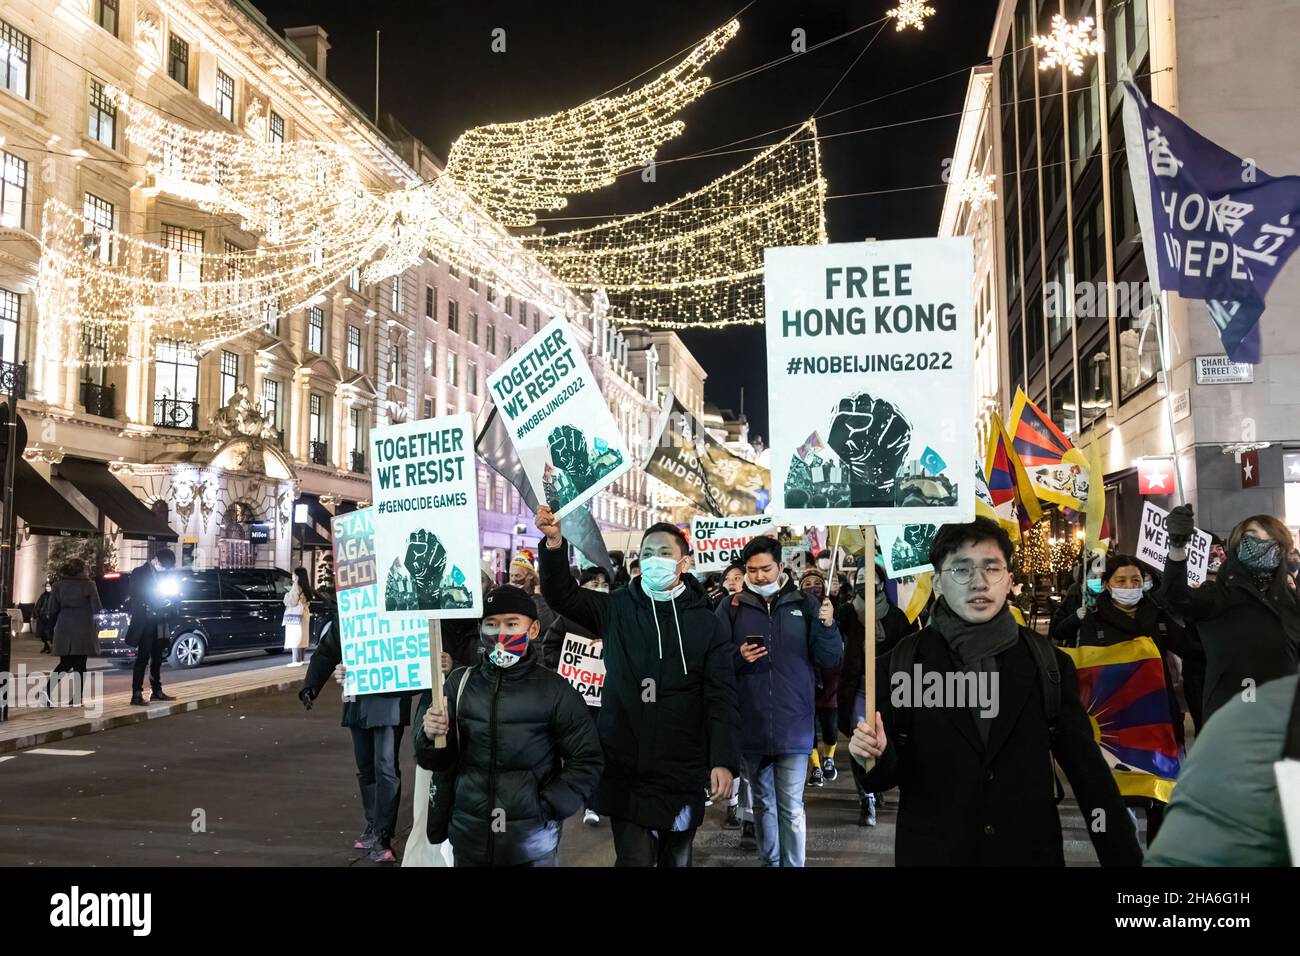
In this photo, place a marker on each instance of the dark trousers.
(74, 664)
(148, 656)
(635, 845)
(379, 777)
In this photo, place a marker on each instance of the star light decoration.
(1068, 44)
(977, 190)
(910, 13)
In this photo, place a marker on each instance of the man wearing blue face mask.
(669, 723)
(524, 748)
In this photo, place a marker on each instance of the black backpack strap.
(1049, 676)
(901, 661)
(1291, 749)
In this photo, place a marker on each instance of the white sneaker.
(591, 818)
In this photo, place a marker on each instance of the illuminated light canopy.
(1068, 44)
(514, 170)
(910, 13)
(977, 190)
(698, 261)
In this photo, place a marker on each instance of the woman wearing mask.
(825, 701)
(892, 626)
(74, 602)
(1248, 619)
(1124, 611)
(297, 616)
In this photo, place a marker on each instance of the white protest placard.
(716, 542)
(1153, 544)
(425, 492)
(870, 358)
(905, 549)
(562, 430)
(380, 656)
(582, 664)
(1287, 773)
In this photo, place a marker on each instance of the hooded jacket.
(778, 691)
(522, 743)
(663, 726)
(1250, 637)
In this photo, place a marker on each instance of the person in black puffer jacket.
(520, 738)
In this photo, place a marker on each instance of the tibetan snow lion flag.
(1057, 470)
(1012, 497)
(1122, 688)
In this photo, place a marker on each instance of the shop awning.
(44, 509)
(132, 516)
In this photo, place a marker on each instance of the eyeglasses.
(965, 574)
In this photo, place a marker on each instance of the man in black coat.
(669, 720)
(377, 722)
(524, 748)
(147, 630)
(971, 748)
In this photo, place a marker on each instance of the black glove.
(1180, 526)
(307, 697)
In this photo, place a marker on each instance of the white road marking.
(50, 751)
(7, 757)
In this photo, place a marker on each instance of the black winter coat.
(889, 632)
(553, 640)
(1247, 635)
(524, 744)
(963, 803)
(662, 730)
(366, 710)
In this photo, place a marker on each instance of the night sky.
(439, 77)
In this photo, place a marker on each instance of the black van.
(216, 611)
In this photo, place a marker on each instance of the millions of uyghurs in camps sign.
(582, 664)
(870, 351)
(425, 493)
(717, 542)
(379, 655)
(564, 434)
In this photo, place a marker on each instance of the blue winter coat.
(777, 692)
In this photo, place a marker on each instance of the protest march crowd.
(734, 690)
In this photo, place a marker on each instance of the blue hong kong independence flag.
(1214, 226)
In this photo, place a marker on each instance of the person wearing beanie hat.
(519, 737)
(524, 576)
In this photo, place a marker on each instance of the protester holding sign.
(823, 769)
(977, 709)
(780, 636)
(669, 723)
(524, 749)
(1248, 619)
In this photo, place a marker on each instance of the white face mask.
(766, 590)
(1126, 597)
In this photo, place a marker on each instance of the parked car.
(215, 612)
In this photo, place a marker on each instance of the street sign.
(1218, 370)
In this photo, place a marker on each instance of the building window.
(473, 283)
(1139, 357)
(452, 270)
(106, 15)
(225, 103)
(354, 278)
(430, 357)
(103, 116)
(176, 372)
(275, 130)
(1128, 40)
(178, 60)
(453, 315)
(537, 322)
(428, 407)
(510, 347)
(184, 253)
(13, 191)
(271, 402)
(396, 298)
(473, 328)
(453, 377)
(229, 375)
(98, 214)
(94, 353)
(316, 330)
(16, 50)
(271, 316)
(1094, 381)
(357, 434)
(10, 305)
(471, 377)
(491, 344)
(397, 365)
(1063, 407)
(491, 292)
(430, 302)
(354, 348)
(510, 305)
(317, 426)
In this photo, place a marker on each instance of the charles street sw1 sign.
(1217, 370)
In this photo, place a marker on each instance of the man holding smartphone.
(781, 634)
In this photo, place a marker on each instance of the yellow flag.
(1095, 507)
(920, 595)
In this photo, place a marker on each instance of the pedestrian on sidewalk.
(780, 636)
(42, 620)
(524, 749)
(74, 602)
(297, 615)
(377, 723)
(147, 632)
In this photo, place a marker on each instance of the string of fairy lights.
(694, 262)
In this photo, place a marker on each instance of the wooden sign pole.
(869, 623)
(435, 696)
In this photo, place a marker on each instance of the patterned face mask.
(501, 647)
(1259, 554)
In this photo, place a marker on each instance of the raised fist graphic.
(426, 559)
(872, 439)
(569, 453)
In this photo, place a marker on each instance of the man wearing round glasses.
(973, 710)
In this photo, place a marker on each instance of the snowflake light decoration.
(1068, 44)
(910, 13)
(977, 190)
